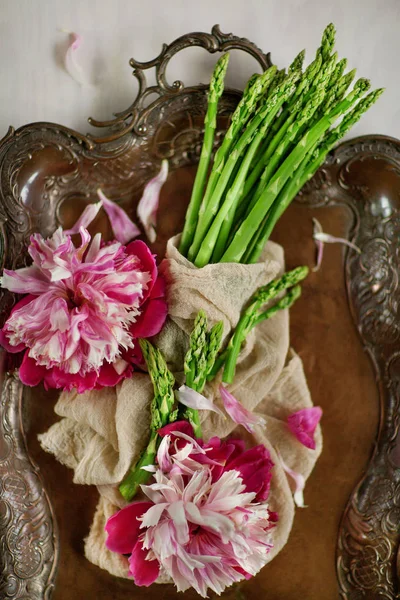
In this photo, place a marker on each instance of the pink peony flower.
(204, 525)
(85, 306)
(303, 424)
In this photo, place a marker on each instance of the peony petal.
(123, 527)
(193, 399)
(123, 227)
(238, 413)
(144, 572)
(299, 481)
(148, 204)
(31, 373)
(87, 216)
(303, 424)
(109, 376)
(163, 458)
(72, 65)
(321, 238)
(255, 468)
(151, 319)
(181, 426)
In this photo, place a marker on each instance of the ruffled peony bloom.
(85, 306)
(204, 525)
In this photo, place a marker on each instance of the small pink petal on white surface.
(193, 399)
(148, 204)
(303, 424)
(321, 238)
(238, 413)
(299, 481)
(123, 227)
(71, 61)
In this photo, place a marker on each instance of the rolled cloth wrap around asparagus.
(103, 432)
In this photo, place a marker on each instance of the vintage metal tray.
(345, 543)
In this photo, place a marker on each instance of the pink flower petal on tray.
(123, 227)
(321, 238)
(88, 215)
(303, 424)
(238, 413)
(299, 482)
(148, 204)
(193, 399)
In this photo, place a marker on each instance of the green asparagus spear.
(297, 63)
(251, 224)
(225, 168)
(253, 134)
(253, 314)
(309, 166)
(255, 89)
(210, 122)
(161, 410)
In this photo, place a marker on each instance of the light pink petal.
(123, 528)
(144, 572)
(193, 399)
(238, 413)
(149, 468)
(303, 424)
(322, 238)
(299, 482)
(123, 227)
(163, 458)
(152, 516)
(176, 511)
(87, 216)
(195, 445)
(28, 280)
(72, 65)
(148, 204)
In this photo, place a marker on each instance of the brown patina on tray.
(346, 542)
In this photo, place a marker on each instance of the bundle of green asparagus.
(280, 134)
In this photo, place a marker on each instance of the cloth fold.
(102, 432)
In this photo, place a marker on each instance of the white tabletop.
(35, 87)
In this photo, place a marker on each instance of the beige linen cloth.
(102, 433)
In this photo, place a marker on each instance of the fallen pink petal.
(299, 482)
(321, 238)
(303, 424)
(238, 413)
(193, 399)
(149, 202)
(123, 227)
(71, 62)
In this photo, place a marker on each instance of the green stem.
(137, 476)
(210, 122)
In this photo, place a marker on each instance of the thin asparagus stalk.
(253, 312)
(251, 224)
(287, 301)
(336, 93)
(255, 89)
(161, 412)
(297, 63)
(309, 166)
(199, 360)
(210, 122)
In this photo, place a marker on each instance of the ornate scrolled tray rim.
(368, 536)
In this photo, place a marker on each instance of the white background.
(35, 87)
